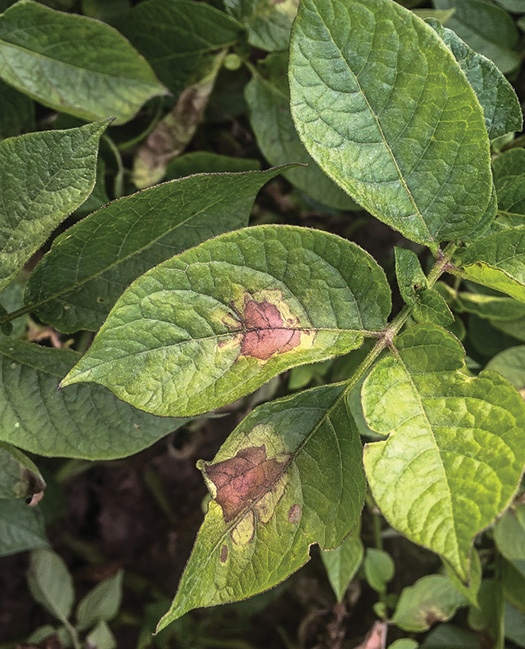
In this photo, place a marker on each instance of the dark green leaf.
(410, 276)
(50, 583)
(431, 307)
(268, 22)
(17, 113)
(21, 527)
(206, 162)
(509, 180)
(19, 477)
(511, 364)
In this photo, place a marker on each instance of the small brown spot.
(294, 515)
(433, 616)
(224, 553)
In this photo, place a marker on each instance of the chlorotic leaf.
(19, 477)
(216, 322)
(84, 422)
(289, 476)
(97, 74)
(343, 563)
(62, 167)
(496, 261)
(21, 527)
(89, 266)
(396, 126)
(455, 453)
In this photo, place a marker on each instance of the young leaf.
(45, 176)
(398, 127)
(379, 569)
(19, 477)
(89, 266)
(268, 101)
(100, 604)
(431, 307)
(97, 74)
(21, 527)
(268, 22)
(86, 421)
(440, 478)
(213, 324)
(410, 276)
(342, 563)
(501, 106)
(496, 261)
(289, 476)
(431, 599)
(51, 584)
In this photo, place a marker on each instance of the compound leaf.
(96, 74)
(90, 265)
(455, 453)
(213, 324)
(85, 421)
(289, 476)
(45, 176)
(396, 126)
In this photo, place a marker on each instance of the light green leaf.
(268, 22)
(101, 603)
(379, 569)
(501, 106)
(172, 34)
(343, 563)
(19, 477)
(431, 599)
(409, 274)
(426, 175)
(509, 533)
(96, 74)
(89, 266)
(516, 6)
(61, 166)
(509, 179)
(431, 307)
(463, 434)
(514, 328)
(289, 476)
(489, 306)
(404, 643)
(488, 29)
(213, 324)
(85, 421)
(268, 101)
(206, 162)
(21, 527)
(511, 364)
(17, 113)
(101, 637)
(50, 583)
(496, 261)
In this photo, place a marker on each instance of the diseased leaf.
(97, 74)
(268, 101)
(268, 22)
(501, 106)
(343, 563)
(431, 599)
(488, 29)
(398, 127)
(86, 421)
(89, 266)
(455, 453)
(496, 261)
(19, 477)
(511, 364)
(21, 527)
(216, 322)
(61, 166)
(410, 276)
(289, 476)
(17, 112)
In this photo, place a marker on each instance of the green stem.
(118, 183)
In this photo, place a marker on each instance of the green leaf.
(21, 527)
(511, 364)
(84, 421)
(51, 584)
(89, 266)
(101, 603)
(449, 427)
(515, 6)
(268, 101)
(501, 106)
(379, 569)
(431, 307)
(213, 324)
(428, 175)
(471, 590)
(172, 34)
(431, 599)
(19, 477)
(488, 616)
(496, 261)
(448, 636)
(61, 167)
(268, 22)
(509, 533)
(410, 276)
(489, 306)
(206, 162)
(514, 623)
(343, 563)
(514, 328)
(17, 112)
(509, 179)
(488, 29)
(513, 582)
(289, 476)
(404, 643)
(96, 74)
(101, 637)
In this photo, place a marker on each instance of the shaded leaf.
(509, 533)
(343, 563)
(206, 162)
(96, 74)
(86, 421)
(470, 590)
(449, 427)
(289, 476)
(61, 165)
(488, 616)
(379, 569)
(489, 306)
(509, 179)
(101, 637)
(77, 283)
(511, 364)
(50, 583)
(513, 582)
(17, 112)
(514, 624)
(21, 527)
(101, 603)
(428, 177)
(268, 22)
(218, 321)
(448, 636)
(19, 477)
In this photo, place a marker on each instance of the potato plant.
(174, 306)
